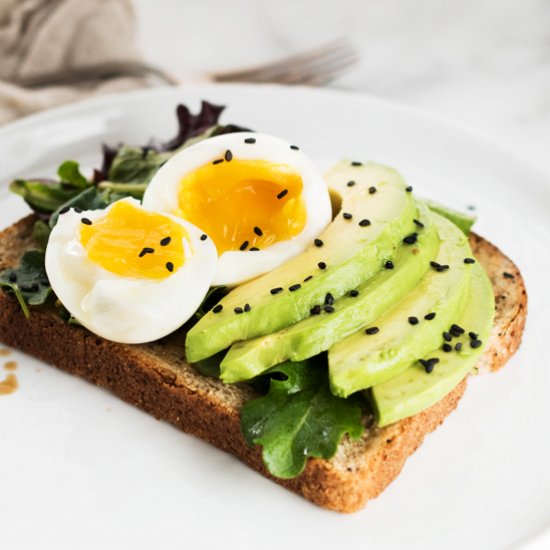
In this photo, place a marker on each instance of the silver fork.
(315, 67)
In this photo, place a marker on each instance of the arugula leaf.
(41, 233)
(69, 172)
(42, 195)
(136, 164)
(462, 220)
(28, 281)
(299, 418)
(89, 199)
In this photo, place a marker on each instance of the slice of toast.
(156, 378)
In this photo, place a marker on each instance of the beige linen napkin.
(38, 36)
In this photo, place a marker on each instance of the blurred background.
(483, 63)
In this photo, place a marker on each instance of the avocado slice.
(340, 318)
(414, 390)
(348, 253)
(462, 220)
(357, 363)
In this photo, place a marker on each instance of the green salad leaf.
(43, 196)
(299, 418)
(90, 199)
(41, 234)
(462, 220)
(136, 164)
(69, 172)
(28, 281)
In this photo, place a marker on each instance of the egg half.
(129, 274)
(260, 199)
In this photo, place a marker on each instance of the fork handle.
(96, 71)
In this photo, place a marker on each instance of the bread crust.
(155, 378)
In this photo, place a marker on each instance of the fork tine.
(315, 65)
(296, 68)
(320, 73)
(303, 57)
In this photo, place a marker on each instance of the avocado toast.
(361, 295)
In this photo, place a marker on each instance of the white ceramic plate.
(81, 469)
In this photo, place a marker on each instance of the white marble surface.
(483, 63)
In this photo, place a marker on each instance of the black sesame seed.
(217, 161)
(276, 290)
(354, 293)
(27, 288)
(204, 237)
(413, 320)
(439, 267)
(308, 278)
(372, 190)
(475, 343)
(64, 210)
(253, 249)
(418, 223)
(315, 310)
(238, 310)
(86, 221)
(165, 241)
(447, 336)
(364, 223)
(409, 189)
(244, 246)
(356, 163)
(469, 261)
(507, 275)
(347, 216)
(146, 250)
(294, 147)
(329, 299)
(294, 287)
(13, 277)
(473, 335)
(228, 156)
(458, 346)
(457, 328)
(258, 231)
(217, 308)
(282, 193)
(447, 348)
(45, 282)
(429, 364)
(389, 265)
(411, 239)
(77, 209)
(322, 265)
(247, 307)
(328, 309)
(318, 243)
(350, 183)
(250, 140)
(170, 266)
(372, 330)
(429, 316)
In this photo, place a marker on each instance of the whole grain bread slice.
(156, 378)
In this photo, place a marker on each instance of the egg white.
(238, 266)
(127, 310)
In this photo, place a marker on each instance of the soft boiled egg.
(127, 273)
(260, 199)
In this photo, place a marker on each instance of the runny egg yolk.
(244, 204)
(133, 242)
